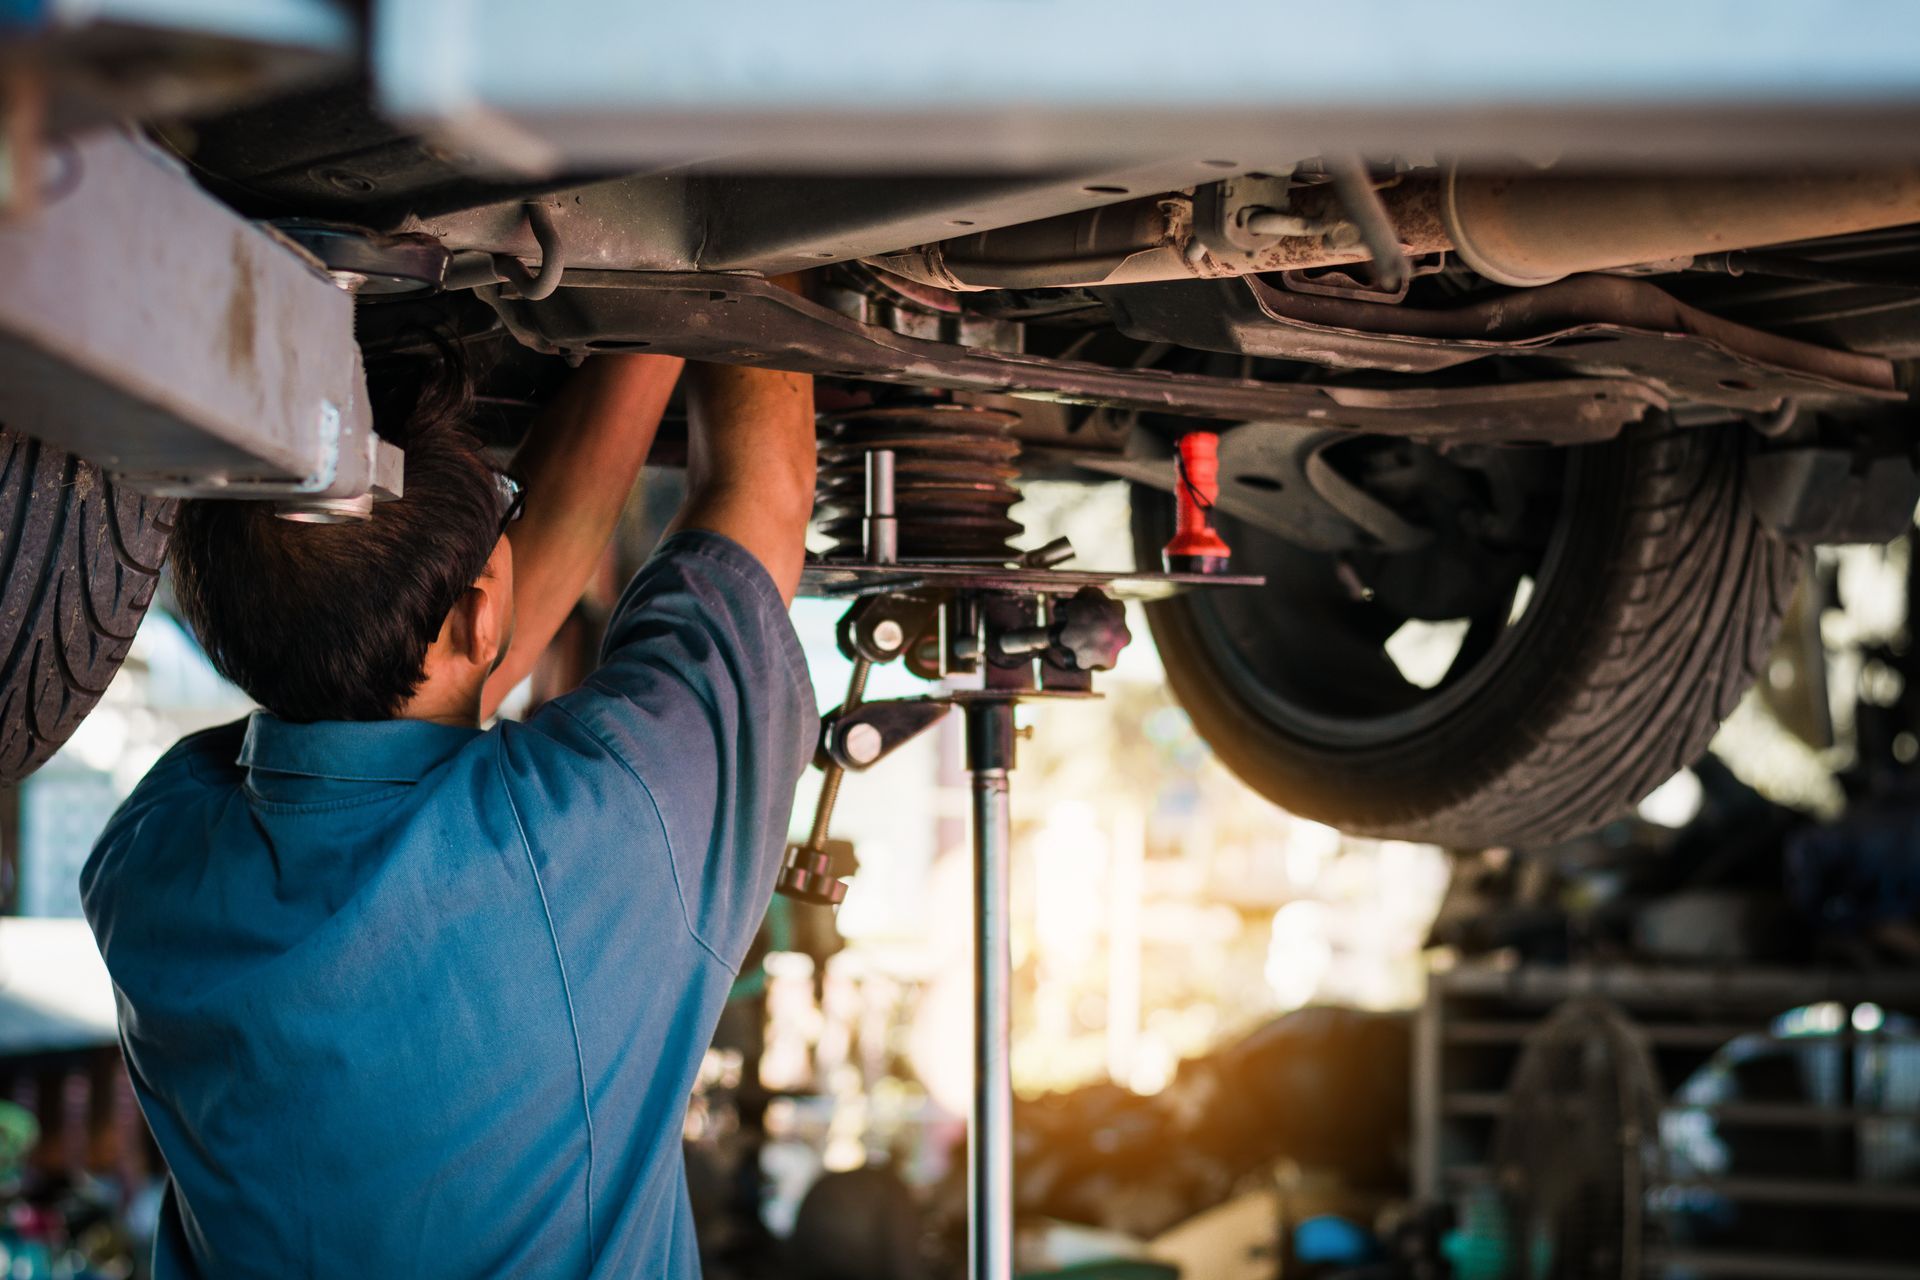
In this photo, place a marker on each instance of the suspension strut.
(917, 500)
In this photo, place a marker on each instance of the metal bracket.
(864, 736)
(1234, 219)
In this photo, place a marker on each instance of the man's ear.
(488, 604)
(460, 634)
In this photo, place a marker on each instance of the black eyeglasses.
(513, 499)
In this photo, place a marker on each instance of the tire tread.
(1625, 688)
(80, 559)
(1689, 610)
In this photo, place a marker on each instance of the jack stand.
(990, 737)
(1027, 630)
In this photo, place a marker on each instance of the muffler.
(1533, 229)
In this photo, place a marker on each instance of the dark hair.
(332, 622)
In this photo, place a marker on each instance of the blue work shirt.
(405, 1000)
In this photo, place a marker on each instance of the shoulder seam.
(566, 988)
(673, 863)
(194, 754)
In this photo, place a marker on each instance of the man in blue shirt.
(406, 997)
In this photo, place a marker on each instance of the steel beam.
(949, 84)
(148, 328)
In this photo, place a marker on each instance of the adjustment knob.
(807, 876)
(1090, 630)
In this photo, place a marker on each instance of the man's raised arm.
(577, 469)
(750, 464)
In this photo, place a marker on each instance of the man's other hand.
(577, 467)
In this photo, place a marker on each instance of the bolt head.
(861, 744)
(888, 635)
(1345, 236)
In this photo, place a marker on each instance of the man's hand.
(578, 468)
(750, 463)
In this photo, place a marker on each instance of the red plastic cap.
(1196, 547)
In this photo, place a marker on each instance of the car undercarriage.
(1571, 398)
(1466, 398)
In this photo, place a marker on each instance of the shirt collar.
(350, 750)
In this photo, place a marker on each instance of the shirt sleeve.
(703, 695)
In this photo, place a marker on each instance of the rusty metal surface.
(743, 320)
(146, 327)
(1161, 238)
(1517, 229)
(1608, 324)
(690, 220)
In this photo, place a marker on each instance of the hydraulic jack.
(1014, 628)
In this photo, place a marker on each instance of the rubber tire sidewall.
(1658, 615)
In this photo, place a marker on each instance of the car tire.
(79, 560)
(1658, 610)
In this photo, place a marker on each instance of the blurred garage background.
(1245, 1045)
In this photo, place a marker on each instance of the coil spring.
(953, 480)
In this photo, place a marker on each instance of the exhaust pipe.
(1516, 229)
(1153, 239)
